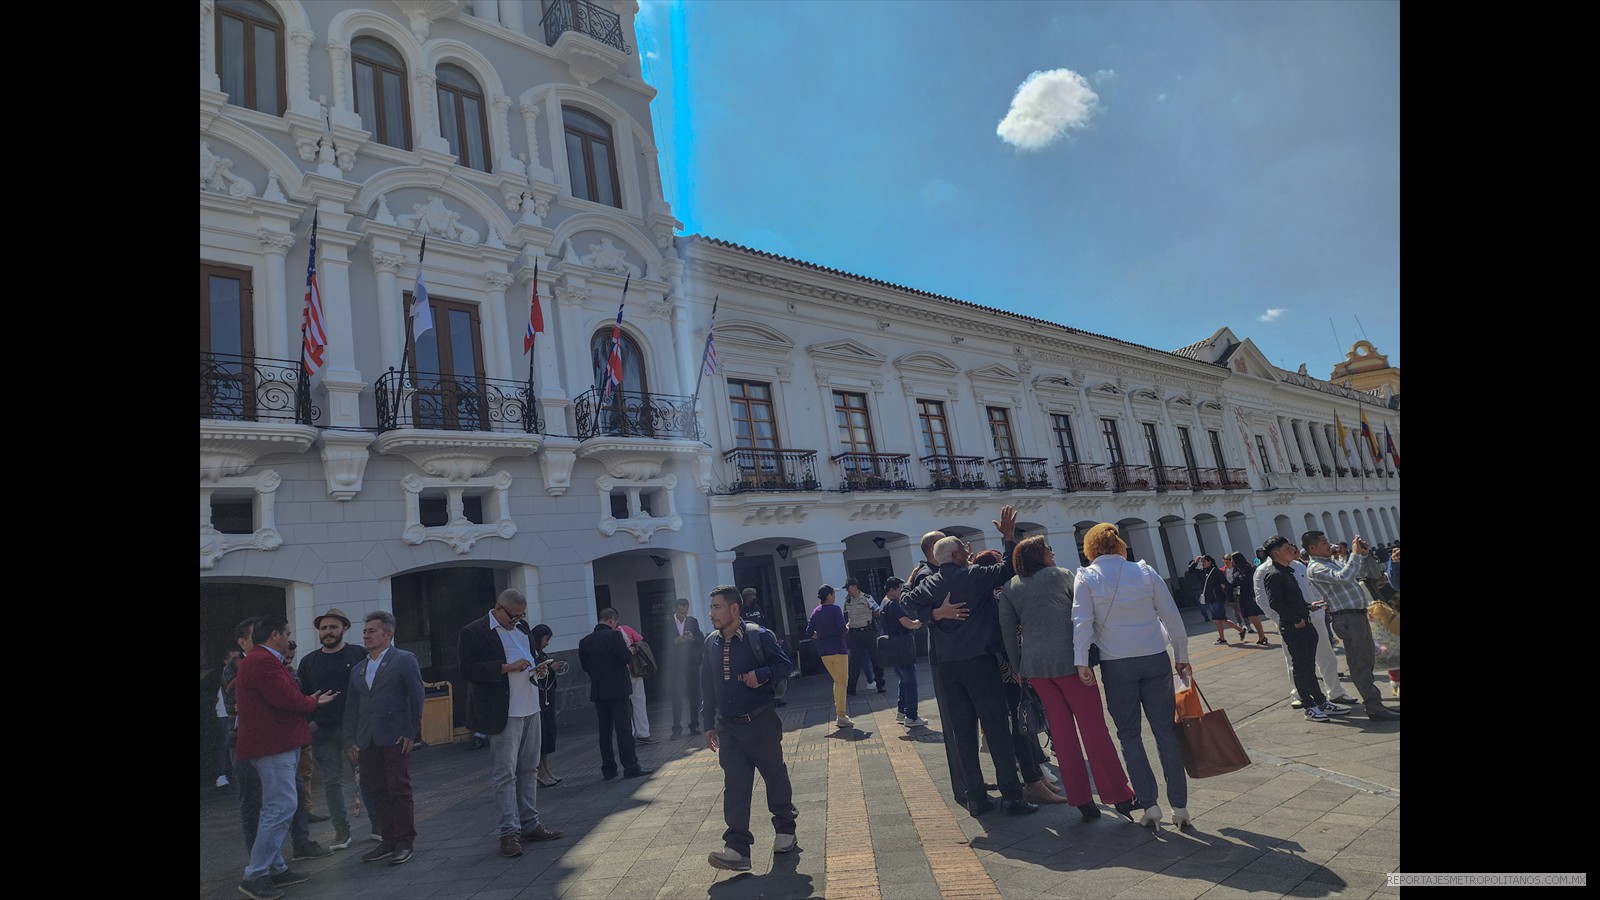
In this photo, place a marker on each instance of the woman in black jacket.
(541, 635)
(1244, 588)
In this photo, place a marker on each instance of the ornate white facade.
(426, 487)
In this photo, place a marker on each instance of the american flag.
(614, 362)
(313, 338)
(709, 358)
(535, 316)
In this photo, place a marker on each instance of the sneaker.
(1296, 704)
(317, 818)
(1316, 714)
(381, 851)
(1347, 701)
(1333, 709)
(260, 889)
(341, 839)
(844, 722)
(375, 837)
(900, 718)
(401, 854)
(311, 850)
(222, 781)
(288, 877)
(728, 858)
(916, 723)
(783, 843)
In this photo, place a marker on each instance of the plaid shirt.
(1340, 582)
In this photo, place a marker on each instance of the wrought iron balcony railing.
(955, 473)
(1077, 477)
(254, 389)
(1208, 479)
(455, 403)
(1016, 472)
(1131, 478)
(1172, 478)
(874, 472)
(636, 415)
(772, 470)
(1234, 480)
(585, 18)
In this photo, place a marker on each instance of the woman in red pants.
(1039, 599)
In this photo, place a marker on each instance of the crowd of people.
(1004, 627)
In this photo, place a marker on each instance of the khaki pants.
(838, 666)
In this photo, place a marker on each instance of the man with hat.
(328, 669)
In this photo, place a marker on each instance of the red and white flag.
(314, 339)
(614, 361)
(535, 316)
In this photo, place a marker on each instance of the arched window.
(461, 116)
(380, 74)
(250, 55)
(627, 411)
(591, 157)
(633, 380)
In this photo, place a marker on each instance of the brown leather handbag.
(1208, 743)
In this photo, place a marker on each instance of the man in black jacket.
(684, 658)
(328, 669)
(1294, 624)
(604, 656)
(967, 636)
(503, 703)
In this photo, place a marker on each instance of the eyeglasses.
(513, 616)
(293, 646)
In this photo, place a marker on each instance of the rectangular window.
(1216, 450)
(1188, 451)
(750, 405)
(1261, 450)
(447, 369)
(935, 428)
(1152, 443)
(1062, 427)
(1108, 431)
(1000, 431)
(855, 427)
(227, 344)
(234, 515)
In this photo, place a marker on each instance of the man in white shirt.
(687, 649)
(503, 703)
(1327, 663)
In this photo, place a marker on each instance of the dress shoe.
(637, 773)
(511, 845)
(401, 854)
(1181, 817)
(1019, 807)
(1347, 701)
(288, 877)
(384, 849)
(979, 806)
(728, 858)
(676, 732)
(607, 776)
(1126, 808)
(540, 833)
(783, 843)
(880, 687)
(1039, 792)
(647, 739)
(1089, 811)
(1383, 714)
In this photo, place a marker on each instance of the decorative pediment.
(1106, 387)
(1146, 394)
(1247, 359)
(994, 373)
(745, 334)
(927, 363)
(848, 352)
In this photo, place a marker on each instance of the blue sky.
(1174, 167)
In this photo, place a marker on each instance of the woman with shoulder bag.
(1245, 590)
(1039, 599)
(1125, 608)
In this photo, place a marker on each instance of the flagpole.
(533, 346)
(694, 402)
(302, 395)
(405, 352)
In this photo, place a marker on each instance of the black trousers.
(686, 690)
(863, 645)
(743, 750)
(974, 696)
(1029, 753)
(1302, 644)
(616, 718)
(958, 785)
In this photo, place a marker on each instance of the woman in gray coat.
(1039, 599)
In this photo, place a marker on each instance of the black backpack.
(780, 681)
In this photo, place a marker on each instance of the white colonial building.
(424, 473)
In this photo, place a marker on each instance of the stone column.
(341, 378)
(530, 121)
(273, 310)
(494, 326)
(821, 564)
(904, 553)
(391, 313)
(487, 10)
(208, 48)
(344, 103)
(500, 135)
(425, 100)
(686, 578)
(511, 15)
(299, 75)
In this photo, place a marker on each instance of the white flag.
(421, 309)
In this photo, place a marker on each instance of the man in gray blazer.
(382, 718)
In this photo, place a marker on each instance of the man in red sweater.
(272, 729)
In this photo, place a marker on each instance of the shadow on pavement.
(780, 883)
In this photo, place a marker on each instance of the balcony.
(955, 473)
(874, 472)
(1020, 472)
(1077, 477)
(1172, 478)
(584, 18)
(660, 416)
(772, 470)
(436, 402)
(1234, 480)
(1131, 478)
(254, 389)
(1207, 480)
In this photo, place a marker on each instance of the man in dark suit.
(687, 648)
(382, 718)
(604, 656)
(503, 703)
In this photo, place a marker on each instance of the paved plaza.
(1317, 815)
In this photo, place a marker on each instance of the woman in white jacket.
(1126, 609)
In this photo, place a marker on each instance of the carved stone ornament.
(454, 456)
(955, 508)
(434, 218)
(460, 533)
(1126, 503)
(876, 511)
(344, 461)
(214, 544)
(216, 174)
(606, 256)
(557, 466)
(774, 515)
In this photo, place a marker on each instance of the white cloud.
(1101, 76)
(936, 192)
(1271, 315)
(1161, 97)
(1047, 105)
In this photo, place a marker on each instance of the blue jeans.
(332, 763)
(908, 689)
(278, 801)
(249, 784)
(515, 756)
(1146, 681)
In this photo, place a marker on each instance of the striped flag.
(1372, 439)
(1345, 445)
(421, 309)
(614, 361)
(535, 316)
(709, 358)
(1388, 441)
(313, 339)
